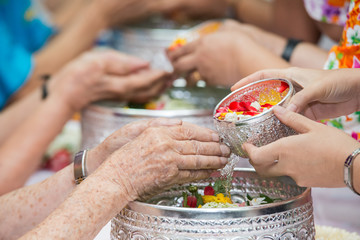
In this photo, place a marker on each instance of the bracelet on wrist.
(44, 90)
(349, 170)
(80, 171)
(289, 48)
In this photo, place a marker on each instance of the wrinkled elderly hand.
(322, 93)
(107, 75)
(127, 133)
(163, 156)
(314, 158)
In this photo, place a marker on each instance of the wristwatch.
(348, 170)
(80, 172)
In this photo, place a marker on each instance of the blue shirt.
(22, 32)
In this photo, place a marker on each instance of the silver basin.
(162, 218)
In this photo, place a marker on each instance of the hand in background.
(321, 93)
(215, 56)
(314, 158)
(107, 75)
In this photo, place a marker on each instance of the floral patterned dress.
(328, 11)
(347, 55)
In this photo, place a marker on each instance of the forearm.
(94, 202)
(307, 55)
(278, 16)
(68, 12)
(20, 155)
(356, 174)
(13, 116)
(256, 12)
(23, 209)
(69, 43)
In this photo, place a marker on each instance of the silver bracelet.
(348, 170)
(80, 172)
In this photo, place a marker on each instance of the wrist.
(289, 49)
(351, 167)
(96, 8)
(94, 159)
(356, 174)
(119, 171)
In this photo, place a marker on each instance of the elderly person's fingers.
(185, 176)
(202, 148)
(191, 162)
(189, 131)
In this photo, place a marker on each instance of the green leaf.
(185, 200)
(199, 199)
(248, 197)
(267, 198)
(219, 187)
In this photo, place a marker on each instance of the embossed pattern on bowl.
(259, 130)
(162, 218)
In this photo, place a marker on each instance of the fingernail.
(292, 107)
(224, 160)
(215, 137)
(225, 150)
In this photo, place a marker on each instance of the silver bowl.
(162, 218)
(259, 130)
(149, 39)
(101, 119)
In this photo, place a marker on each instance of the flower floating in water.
(241, 110)
(216, 197)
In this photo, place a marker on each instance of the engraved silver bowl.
(149, 39)
(162, 218)
(259, 130)
(101, 119)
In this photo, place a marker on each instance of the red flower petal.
(191, 201)
(282, 87)
(266, 105)
(209, 190)
(233, 106)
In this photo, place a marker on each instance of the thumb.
(296, 121)
(301, 99)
